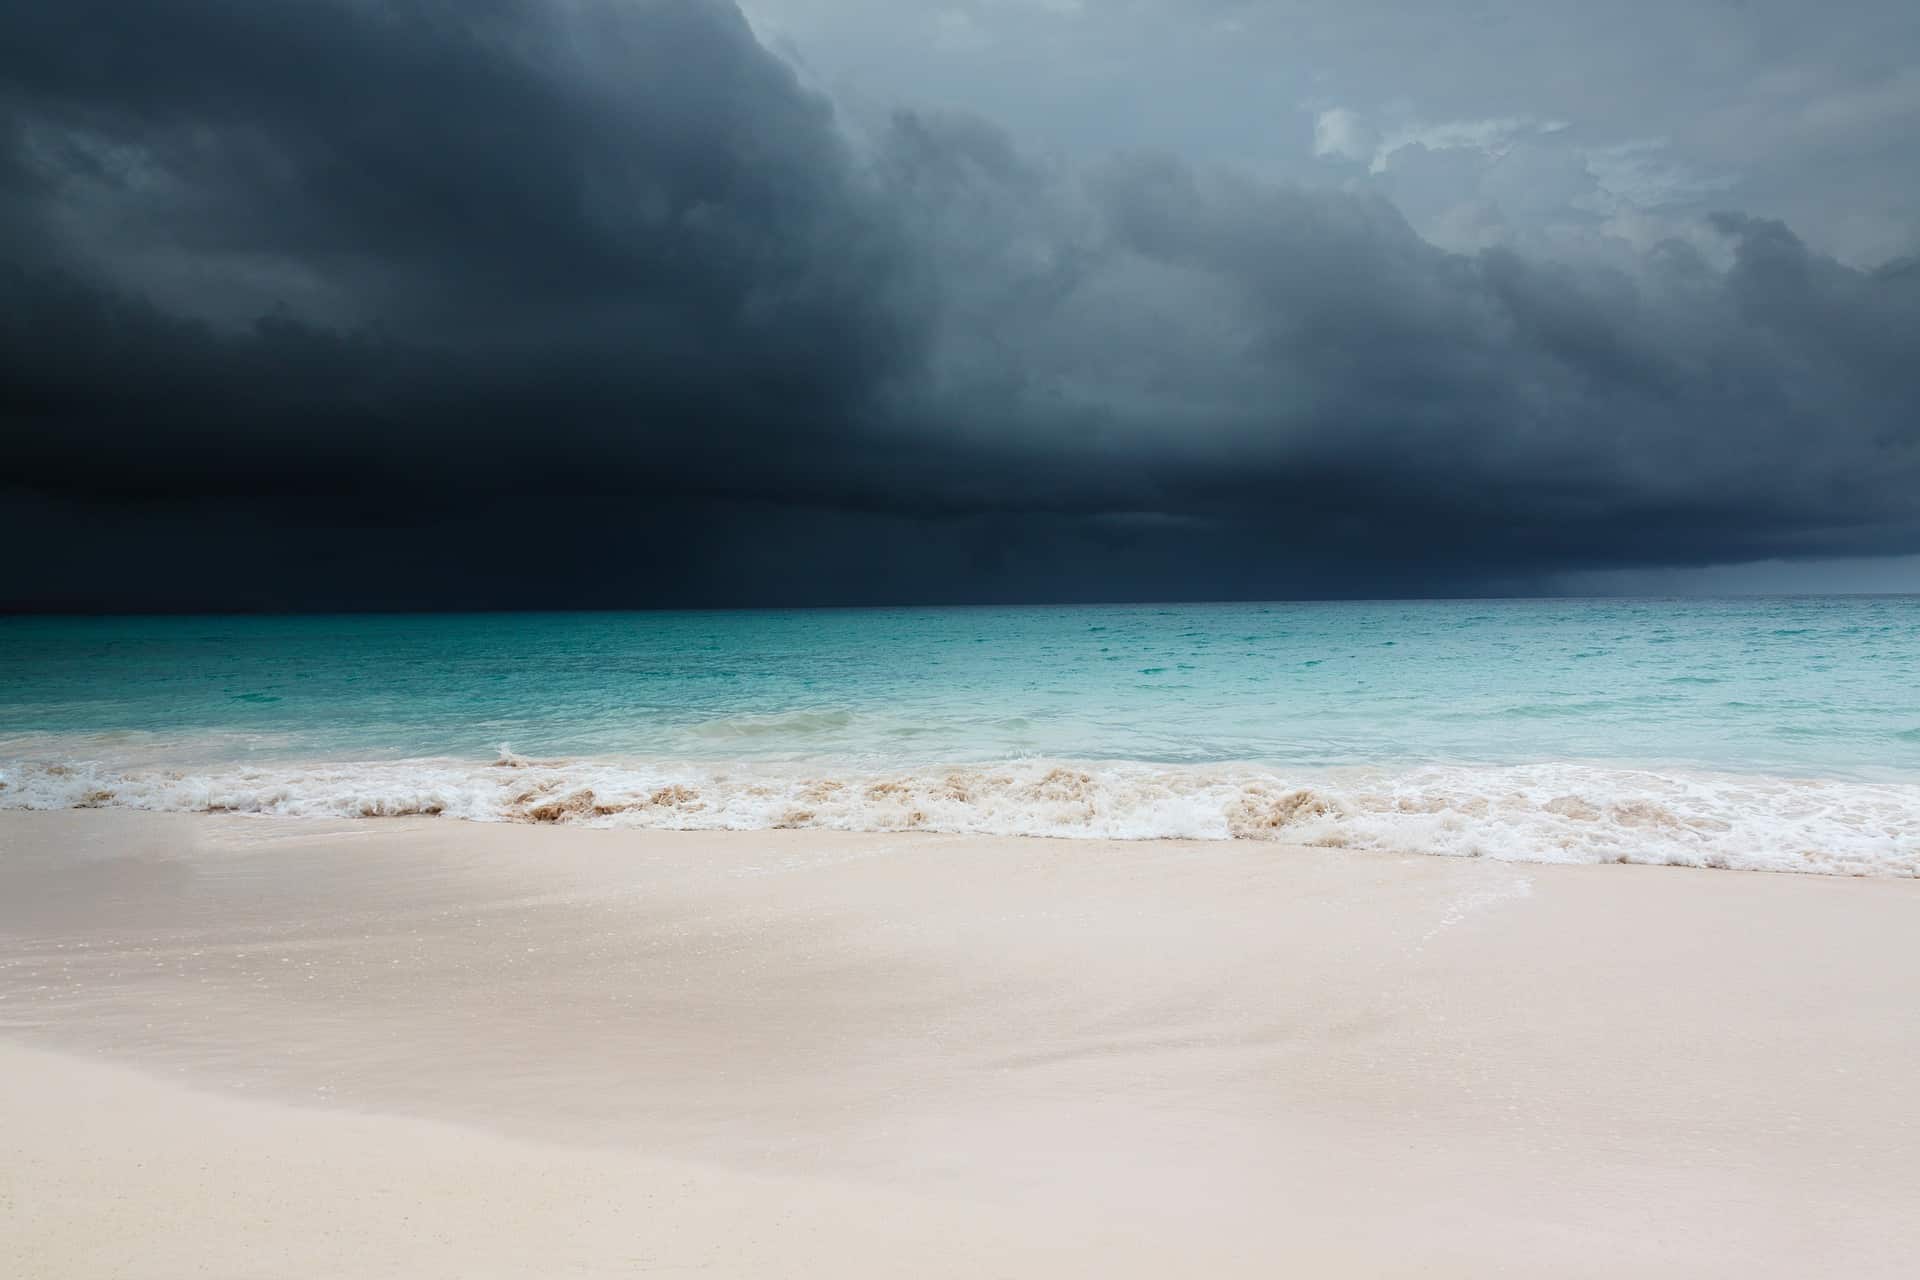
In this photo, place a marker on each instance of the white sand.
(246, 1047)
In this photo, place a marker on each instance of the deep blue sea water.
(1764, 732)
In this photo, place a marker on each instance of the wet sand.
(237, 1046)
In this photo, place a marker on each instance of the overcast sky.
(546, 303)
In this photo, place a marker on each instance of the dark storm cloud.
(319, 302)
(514, 212)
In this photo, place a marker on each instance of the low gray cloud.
(517, 303)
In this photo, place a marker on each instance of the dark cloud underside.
(320, 303)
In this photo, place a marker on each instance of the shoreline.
(1552, 812)
(812, 1052)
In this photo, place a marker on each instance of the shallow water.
(1753, 732)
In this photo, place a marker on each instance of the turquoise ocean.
(1777, 734)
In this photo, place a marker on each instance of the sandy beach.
(274, 1047)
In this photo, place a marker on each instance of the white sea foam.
(1563, 812)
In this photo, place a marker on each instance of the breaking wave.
(1543, 813)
